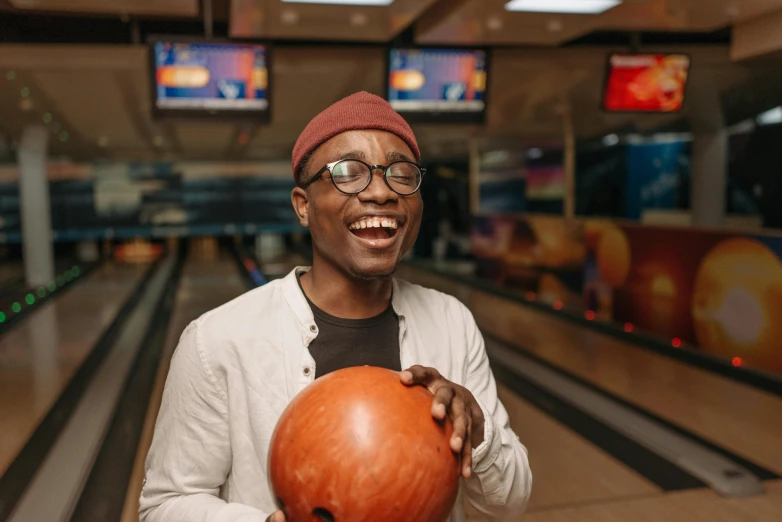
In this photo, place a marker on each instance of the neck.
(343, 295)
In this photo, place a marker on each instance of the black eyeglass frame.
(372, 169)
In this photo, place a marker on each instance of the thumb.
(277, 516)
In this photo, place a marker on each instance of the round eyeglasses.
(352, 176)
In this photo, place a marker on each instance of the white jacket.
(237, 367)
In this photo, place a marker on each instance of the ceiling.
(99, 93)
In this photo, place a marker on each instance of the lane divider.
(31, 300)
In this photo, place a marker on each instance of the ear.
(300, 200)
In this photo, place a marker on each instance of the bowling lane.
(39, 356)
(740, 418)
(207, 282)
(567, 468)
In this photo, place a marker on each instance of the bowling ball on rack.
(358, 445)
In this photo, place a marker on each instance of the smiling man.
(237, 367)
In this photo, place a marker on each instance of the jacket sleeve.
(501, 481)
(190, 455)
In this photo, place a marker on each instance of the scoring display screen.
(646, 82)
(210, 77)
(437, 81)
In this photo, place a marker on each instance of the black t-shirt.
(343, 343)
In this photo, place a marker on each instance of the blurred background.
(603, 191)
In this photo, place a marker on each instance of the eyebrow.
(353, 154)
(359, 155)
(397, 156)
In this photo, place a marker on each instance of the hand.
(458, 403)
(277, 516)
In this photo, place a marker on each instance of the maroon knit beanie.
(358, 111)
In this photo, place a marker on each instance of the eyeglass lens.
(353, 176)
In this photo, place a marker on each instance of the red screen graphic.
(646, 82)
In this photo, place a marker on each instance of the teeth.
(373, 222)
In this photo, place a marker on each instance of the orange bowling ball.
(358, 445)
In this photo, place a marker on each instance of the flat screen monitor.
(210, 79)
(652, 83)
(438, 85)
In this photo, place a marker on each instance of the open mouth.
(375, 228)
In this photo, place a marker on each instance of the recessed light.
(358, 19)
(610, 140)
(289, 17)
(341, 2)
(554, 26)
(562, 6)
(494, 23)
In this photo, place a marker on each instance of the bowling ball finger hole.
(323, 514)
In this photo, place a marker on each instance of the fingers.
(446, 402)
(460, 422)
(462, 433)
(277, 516)
(420, 375)
(442, 401)
(467, 448)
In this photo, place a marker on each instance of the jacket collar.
(301, 308)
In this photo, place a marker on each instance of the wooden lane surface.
(205, 285)
(567, 468)
(728, 413)
(39, 356)
(698, 505)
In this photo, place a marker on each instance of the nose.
(378, 191)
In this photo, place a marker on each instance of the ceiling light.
(103, 141)
(610, 140)
(554, 26)
(494, 23)
(158, 141)
(770, 117)
(47, 118)
(10, 75)
(562, 6)
(289, 17)
(341, 2)
(358, 19)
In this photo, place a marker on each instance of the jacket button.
(313, 328)
(307, 371)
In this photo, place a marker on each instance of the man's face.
(335, 219)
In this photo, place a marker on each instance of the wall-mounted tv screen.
(646, 82)
(210, 79)
(438, 85)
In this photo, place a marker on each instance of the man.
(237, 367)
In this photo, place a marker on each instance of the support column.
(709, 182)
(709, 178)
(35, 209)
(569, 141)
